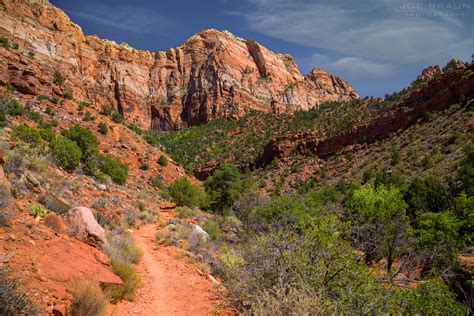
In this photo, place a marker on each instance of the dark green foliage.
(117, 117)
(68, 95)
(35, 117)
(28, 135)
(15, 109)
(47, 134)
(396, 156)
(88, 117)
(185, 193)
(103, 128)
(3, 119)
(12, 301)
(163, 161)
(466, 170)
(114, 168)
(427, 194)
(106, 109)
(85, 139)
(66, 153)
(4, 42)
(50, 110)
(58, 77)
(389, 179)
(31, 54)
(226, 186)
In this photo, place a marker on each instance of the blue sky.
(379, 46)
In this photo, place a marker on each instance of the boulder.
(83, 226)
(56, 223)
(199, 231)
(54, 203)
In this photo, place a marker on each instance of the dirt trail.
(170, 285)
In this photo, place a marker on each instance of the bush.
(427, 194)
(157, 182)
(123, 254)
(85, 139)
(114, 168)
(12, 301)
(103, 128)
(58, 77)
(23, 156)
(163, 161)
(225, 187)
(28, 135)
(117, 117)
(47, 134)
(106, 109)
(184, 193)
(184, 211)
(88, 299)
(38, 210)
(15, 109)
(3, 119)
(4, 42)
(66, 153)
(88, 117)
(68, 95)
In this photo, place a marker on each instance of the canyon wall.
(213, 74)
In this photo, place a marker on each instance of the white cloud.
(368, 30)
(128, 18)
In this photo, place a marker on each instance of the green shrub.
(114, 168)
(88, 299)
(225, 187)
(103, 128)
(466, 170)
(431, 297)
(184, 211)
(3, 119)
(66, 153)
(15, 109)
(24, 156)
(68, 95)
(58, 77)
(85, 139)
(28, 135)
(184, 193)
(31, 54)
(4, 42)
(47, 134)
(106, 109)
(12, 300)
(35, 117)
(88, 117)
(163, 161)
(38, 210)
(50, 110)
(157, 182)
(427, 194)
(117, 117)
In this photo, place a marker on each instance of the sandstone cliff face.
(213, 74)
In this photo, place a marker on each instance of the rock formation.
(450, 88)
(214, 74)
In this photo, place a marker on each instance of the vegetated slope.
(213, 74)
(257, 139)
(118, 177)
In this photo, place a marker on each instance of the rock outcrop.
(451, 87)
(82, 225)
(214, 74)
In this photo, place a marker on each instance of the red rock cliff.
(213, 74)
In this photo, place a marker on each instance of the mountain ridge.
(213, 74)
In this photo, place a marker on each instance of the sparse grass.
(38, 210)
(12, 300)
(124, 254)
(184, 211)
(88, 300)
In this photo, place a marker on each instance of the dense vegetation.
(357, 250)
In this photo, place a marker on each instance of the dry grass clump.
(88, 300)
